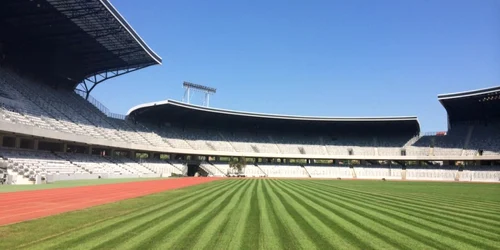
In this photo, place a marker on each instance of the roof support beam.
(86, 37)
(88, 84)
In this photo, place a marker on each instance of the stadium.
(75, 175)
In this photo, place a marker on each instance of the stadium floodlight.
(207, 91)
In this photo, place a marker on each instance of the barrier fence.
(100, 106)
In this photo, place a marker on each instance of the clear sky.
(324, 58)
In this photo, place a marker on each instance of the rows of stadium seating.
(253, 171)
(377, 172)
(433, 173)
(462, 139)
(392, 145)
(23, 101)
(441, 173)
(158, 166)
(480, 173)
(222, 168)
(28, 163)
(289, 171)
(44, 107)
(486, 138)
(212, 170)
(329, 172)
(453, 143)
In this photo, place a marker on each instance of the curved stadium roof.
(188, 115)
(474, 105)
(69, 40)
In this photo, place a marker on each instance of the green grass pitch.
(279, 214)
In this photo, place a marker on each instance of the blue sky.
(325, 58)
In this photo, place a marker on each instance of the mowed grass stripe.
(448, 192)
(164, 225)
(362, 219)
(470, 204)
(449, 220)
(340, 227)
(272, 231)
(403, 226)
(92, 223)
(291, 223)
(474, 208)
(233, 233)
(462, 188)
(434, 202)
(247, 232)
(417, 222)
(336, 234)
(182, 233)
(216, 231)
(446, 233)
(278, 214)
(449, 217)
(127, 225)
(166, 218)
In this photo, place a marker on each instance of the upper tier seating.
(391, 145)
(451, 144)
(250, 142)
(28, 103)
(300, 144)
(359, 145)
(486, 138)
(59, 110)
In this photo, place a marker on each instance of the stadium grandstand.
(54, 53)
(67, 43)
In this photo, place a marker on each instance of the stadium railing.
(100, 106)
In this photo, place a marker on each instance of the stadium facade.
(49, 48)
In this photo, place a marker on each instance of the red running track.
(27, 205)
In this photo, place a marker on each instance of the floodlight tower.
(207, 91)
